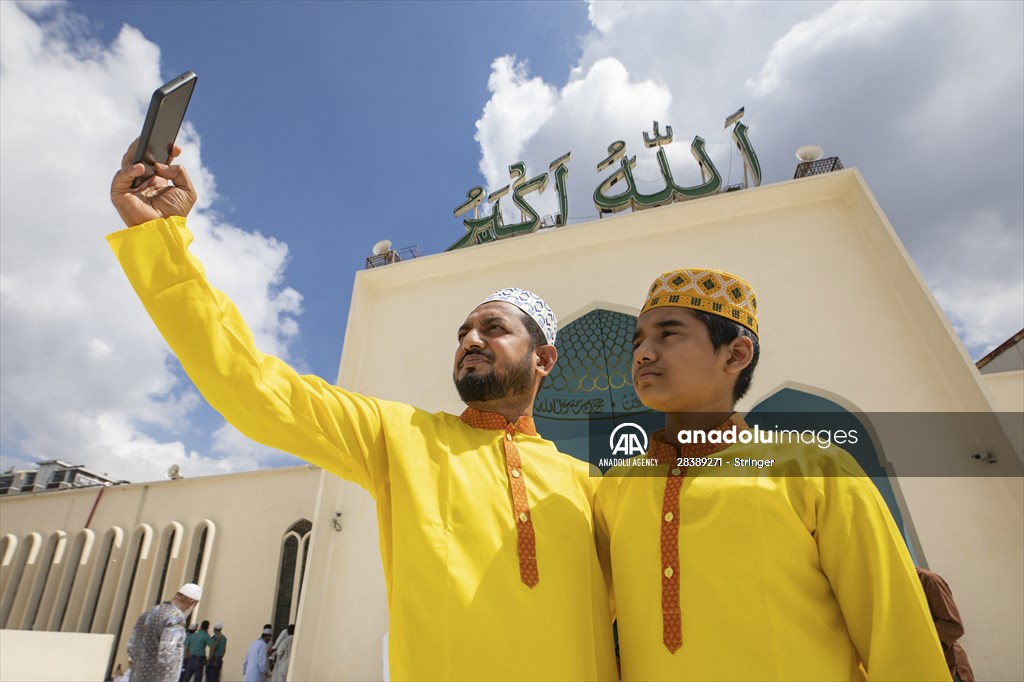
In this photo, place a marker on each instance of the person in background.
(277, 644)
(218, 647)
(283, 652)
(254, 667)
(192, 629)
(947, 623)
(195, 652)
(156, 645)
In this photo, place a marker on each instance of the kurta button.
(523, 517)
(515, 473)
(508, 436)
(669, 572)
(676, 472)
(669, 517)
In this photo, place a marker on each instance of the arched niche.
(591, 380)
(801, 407)
(103, 573)
(291, 570)
(72, 584)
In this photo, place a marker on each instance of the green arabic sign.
(491, 227)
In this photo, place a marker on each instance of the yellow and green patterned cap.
(712, 291)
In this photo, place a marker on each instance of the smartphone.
(163, 120)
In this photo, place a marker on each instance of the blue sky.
(317, 129)
(332, 113)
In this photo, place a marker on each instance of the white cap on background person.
(192, 591)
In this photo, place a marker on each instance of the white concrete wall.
(1007, 390)
(344, 616)
(53, 656)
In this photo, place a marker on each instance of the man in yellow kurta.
(746, 561)
(486, 530)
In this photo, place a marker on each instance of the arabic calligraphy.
(491, 227)
(480, 230)
(573, 406)
(751, 165)
(631, 403)
(631, 197)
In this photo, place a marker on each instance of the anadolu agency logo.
(627, 440)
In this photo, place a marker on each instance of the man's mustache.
(483, 353)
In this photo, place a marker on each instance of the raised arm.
(259, 394)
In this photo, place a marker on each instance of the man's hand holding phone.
(168, 193)
(147, 187)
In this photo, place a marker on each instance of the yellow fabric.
(458, 608)
(795, 572)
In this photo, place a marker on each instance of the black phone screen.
(163, 120)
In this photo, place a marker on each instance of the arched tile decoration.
(592, 376)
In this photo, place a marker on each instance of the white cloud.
(604, 14)
(926, 99)
(84, 373)
(235, 447)
(843, 27)
(603, 104)
(518, 107)
(982, 287)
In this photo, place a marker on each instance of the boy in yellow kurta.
(744, 561)
(486, 530)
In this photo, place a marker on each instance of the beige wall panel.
(29, 656)
(1007, 390)
(970, 528)
(340, 630)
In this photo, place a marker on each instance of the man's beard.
(478, 387)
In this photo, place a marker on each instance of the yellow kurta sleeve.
(873, 577)
(259, 394)
(458, 609)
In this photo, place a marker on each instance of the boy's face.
(675, 367)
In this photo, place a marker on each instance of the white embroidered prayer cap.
(192, 591)
(268, 631)
(531, 304)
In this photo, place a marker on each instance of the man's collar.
(479, 419)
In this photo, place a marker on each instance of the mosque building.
(850, 334)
